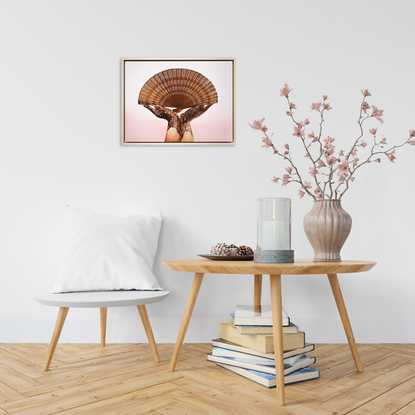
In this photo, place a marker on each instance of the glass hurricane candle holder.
(273, 231)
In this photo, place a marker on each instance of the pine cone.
(244, 250)
(232, 249)
(220, 249)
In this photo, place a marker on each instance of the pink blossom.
(285, 182)
(366, 93)
(391, 156)
(377, 161)
(363, 143)
(327, 141)
(307, 185)
(289, 169)
(327, 107)
(286, 153)
(275, 151)
(318, 193)
(307, 121)
(325, 97)
(292, 106)
(373, 131)
(383, 141)
(331, 161)
(341, 153)
(411, 142)
(315, 106)
(288, 113)
(275, 179)
(301, 194)
(365, 107)
(320, 164)
(267, 142)
(377, 113)
(354, 152)
(411, 133)
(330, 150)
(312, 171)
(343, 169)
(286, 146)
(257, 125)
(352, 178)
(285, 91)
(311, 135)
(298, 132)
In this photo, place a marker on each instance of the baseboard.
(202, 329)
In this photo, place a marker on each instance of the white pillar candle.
(273, 236)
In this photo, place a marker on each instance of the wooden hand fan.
(178, 88)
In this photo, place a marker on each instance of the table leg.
(335, 287)
(103, 313)
(276, 301)
(63, 312)
(257, 291)
(191, 301)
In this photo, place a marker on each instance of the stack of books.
(246, 347)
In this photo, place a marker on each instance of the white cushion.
(108, 252)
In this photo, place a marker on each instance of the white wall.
(60, 80)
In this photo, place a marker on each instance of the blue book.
(223, 344)
(268, 380)
(247, 329)
(267, 367)
(219, 351)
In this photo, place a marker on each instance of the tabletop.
(298, 267)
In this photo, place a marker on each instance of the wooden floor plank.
(354, 380)
(24, 366)
(356, 397)
(407, 409)
(15, 379)
(74, 397)
(389, 402)
(8, 394)
(117, 402)
(122, 379)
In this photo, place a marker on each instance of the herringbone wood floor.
(122, 379)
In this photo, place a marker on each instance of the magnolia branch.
(326, 163)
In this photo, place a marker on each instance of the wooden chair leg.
(257, 292)
(149, 332)
(103, 311)
(63, 311)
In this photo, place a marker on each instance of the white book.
(248, 315)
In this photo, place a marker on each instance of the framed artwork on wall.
(178, 101)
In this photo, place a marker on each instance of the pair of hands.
(169, 115)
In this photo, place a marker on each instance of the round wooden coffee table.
(298, 267)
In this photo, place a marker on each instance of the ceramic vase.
(327, 227)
